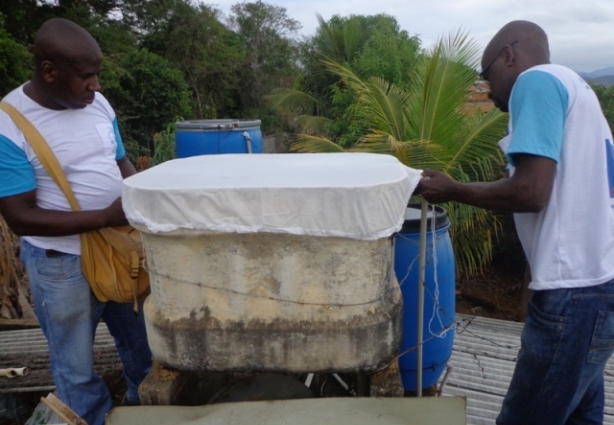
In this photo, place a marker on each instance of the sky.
(581, 32)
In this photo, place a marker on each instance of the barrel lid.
(413, 214)
(226, 124)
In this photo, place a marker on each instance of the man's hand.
(115, 214)
(25, 218)
(435, 187)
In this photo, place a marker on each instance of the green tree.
(606, 98)
(428, 126)
(147, 17)
(269, 54)
(368, 46)
(147, 93)
(25, 17)
(15, 62)
(207, 53)
(371, 46)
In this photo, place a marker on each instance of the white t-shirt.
(555, 114)
(87, 145)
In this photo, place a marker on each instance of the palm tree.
(426, 126)
(368, 45)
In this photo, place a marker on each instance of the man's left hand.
(435, 187)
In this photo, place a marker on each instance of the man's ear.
(48, 71)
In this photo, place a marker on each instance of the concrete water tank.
(272, 262)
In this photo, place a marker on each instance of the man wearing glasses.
(560, 189)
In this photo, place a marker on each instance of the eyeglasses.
(485, 70)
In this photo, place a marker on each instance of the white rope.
(436, 315)
(436, 306)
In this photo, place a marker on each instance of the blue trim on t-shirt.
(121, 151)
(538, 111)
(16, 172)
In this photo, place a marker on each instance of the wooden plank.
(62, 410)
(15, 324)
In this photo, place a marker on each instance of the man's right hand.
(115, 214)
(436, 187)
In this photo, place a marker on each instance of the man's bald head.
(63, 42)
(531, 43)
(517, 46)
(67, 63)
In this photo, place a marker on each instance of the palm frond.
(442, 78)
(472, 230)
(339, 43)
(304, 143)
(477, 149)
(296, 101)
(379, 105)
(311, 125)
(382, 142)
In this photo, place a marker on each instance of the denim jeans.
(566, 341)
(68, 314)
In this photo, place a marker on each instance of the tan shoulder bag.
(112, 257)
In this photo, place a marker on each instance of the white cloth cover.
(352, 195)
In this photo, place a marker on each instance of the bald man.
(560, 189)
(62, 102)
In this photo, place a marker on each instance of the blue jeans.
(68, 314)
(566, 341)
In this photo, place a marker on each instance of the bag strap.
(43, 152)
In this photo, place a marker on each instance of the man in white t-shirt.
(62, 102)
(560, 189)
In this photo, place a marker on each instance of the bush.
(148, 93)
(15, 62)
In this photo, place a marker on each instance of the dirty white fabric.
(354, 195)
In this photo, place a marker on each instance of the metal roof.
(483, 360)
(28, 348)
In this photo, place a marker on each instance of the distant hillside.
(604, 72)
(603, 77)
(605, 81)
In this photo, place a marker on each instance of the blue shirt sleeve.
(538, 110)
(121, 151)
(16, 172)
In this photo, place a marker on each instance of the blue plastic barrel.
(210, 137)
(439, 295)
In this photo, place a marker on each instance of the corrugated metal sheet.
(28, 348)
(483, 360)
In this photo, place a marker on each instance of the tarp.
(353, 195)
(321, 411)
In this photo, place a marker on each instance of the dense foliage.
(370, 46)
(606, 98)
(270, 57)
(15, 62)
(165, 59)
(147, 92)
